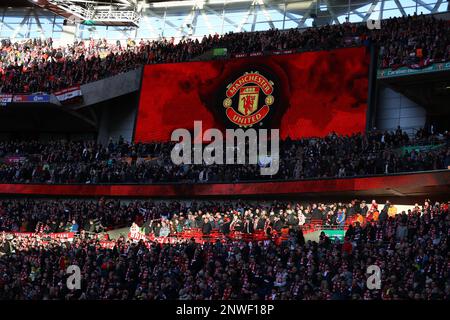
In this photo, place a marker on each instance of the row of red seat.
(258, 235)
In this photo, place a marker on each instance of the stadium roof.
(154, 19)
(94, 12)
(27, 3)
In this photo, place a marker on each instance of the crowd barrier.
(195, 234)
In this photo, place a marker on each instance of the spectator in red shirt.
(347, 247)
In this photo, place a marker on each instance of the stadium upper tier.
(376, 153)
(38, 66)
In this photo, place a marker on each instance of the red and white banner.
(22, 234)
(136, 236)
(165, 240)
(14, 159)
(62, 236)
(107, 244)
(259, 53)
(54, 236)
(68, 95)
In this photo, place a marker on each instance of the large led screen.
(303, 94)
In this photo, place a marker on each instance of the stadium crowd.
(38, 66)
(410, 248)
(376, 152)
(413, 42)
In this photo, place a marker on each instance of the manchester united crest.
(248, 99)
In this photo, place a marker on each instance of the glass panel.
(56, 34)
(289, 24)
(8, 29)
(11, 19)
(57, 28)
(206, 24)
(228, 28)
(150, 28)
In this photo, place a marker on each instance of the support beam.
(245, 19)
(126, 3)
(359, 14)
(300, 22)
(189, 19)
(38, 22)
(400, 7)
(194, 20)
(436, 7)
(19, 27)
(8, 26)
(423, 4)
(371, 9)
(293, 18)
(332, 13)
(208, 23)
(255, 16)
(266, 14)
(153, 14)
(231, 22)
(380, 17)
(312, 6)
